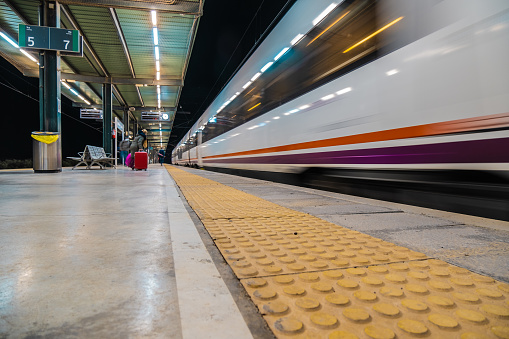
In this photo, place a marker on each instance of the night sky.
(223, 40)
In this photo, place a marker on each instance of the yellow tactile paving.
(314, 279)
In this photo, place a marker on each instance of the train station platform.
(181, 253)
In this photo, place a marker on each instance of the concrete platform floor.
(119, 254)
(106, 254)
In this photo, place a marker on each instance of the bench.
(93, 155)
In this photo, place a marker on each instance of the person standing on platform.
(137, 145)
(160, 154)
(124, 149)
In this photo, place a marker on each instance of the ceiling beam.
(120, 108)
(172, 6)
(121, 81)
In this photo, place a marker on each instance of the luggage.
(129, 161)
(140, 160)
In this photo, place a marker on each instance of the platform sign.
(155, 116)
(49, 38)
(91, 113)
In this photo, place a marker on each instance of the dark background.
(227, 33)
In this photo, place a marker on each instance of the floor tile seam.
(340, 268)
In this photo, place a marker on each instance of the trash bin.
(47, 152)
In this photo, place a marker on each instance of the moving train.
(403, 100)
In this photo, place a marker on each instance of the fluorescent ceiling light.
(158, 90)
(266, 67)
(158, 66)
(293, 111)
(154, 18)
(9, 40)
(233, 97)
(156, 36)
(66, 85)
(296, 39)
(158, 75)
(247, 84)
(344, 90)
(324, 13)
(73, 92)
(328, 97)
(303, 107)
(28, 55)
(280, 54)
(256, 76)
(157, 52)
(87, 102)
(158, 96)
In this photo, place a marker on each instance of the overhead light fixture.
(322, 15)
(303, 107)
(158, 75)
(344, 90)
(296, 39)
(266, 67)
(372, 35)
(156, 49)
(158, 66)
(66, 85)
(28, 55)
(327, 97)
(154, 18)
(247, 84)
(73, 91)
(9, 40)
(156, 36)
(280, 54)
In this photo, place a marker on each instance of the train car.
(404, 100)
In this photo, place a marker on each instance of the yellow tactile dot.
(396, 278)
(265, 294)
(504, 287)
(378, 332)
(486, 292)
(307, 258)
(439, 272)
(501, 331)
(462, 282)
(467, 297)
(399, 267)
(273, 269)
(412, 326)
(365, 295)
(342, 335)
(483, 279)
(414, 305)
(337, 299)
(256, 282)
(286, 260)
(322, 287)
(298, 252)
(340, 262)
(470, 315)
(284, 279)
(258, 256)
(288, 325)
(440, 285)
(391, 291)
(324, 320)
(279, 254)
(378, 269)
(442, 321)
(333, 274)
(386, 309)
(275, 307)
(319, 265)
(459, 270)
(496, 310)
(294, 290)
(328, 256)
(440, 301)
(248, 272)
(309, 277)
(416, 288)
(307, 304)
(381, 258)
(356, 314)
(264, 262)
(436, 262)
(356, 271)
(361, 260)
(400, 256)
(317, 250)
(372, 281)
(419, 264)
(296, 267)
(472, 335)
(347, 283)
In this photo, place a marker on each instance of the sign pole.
(107, 113)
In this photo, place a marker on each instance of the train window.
(348, 38)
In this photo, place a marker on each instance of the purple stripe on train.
(474, 151)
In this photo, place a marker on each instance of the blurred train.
(403, 100)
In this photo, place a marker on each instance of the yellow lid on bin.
(45, 137)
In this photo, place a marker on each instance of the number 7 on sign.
(66, 43)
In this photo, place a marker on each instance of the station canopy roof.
(119, 47)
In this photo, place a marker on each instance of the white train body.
(437, 99)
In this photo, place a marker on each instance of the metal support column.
(126, 122)
(49, 85)
(107, 114)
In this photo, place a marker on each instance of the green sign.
(40, 37)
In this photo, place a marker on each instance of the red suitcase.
(140, 160)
